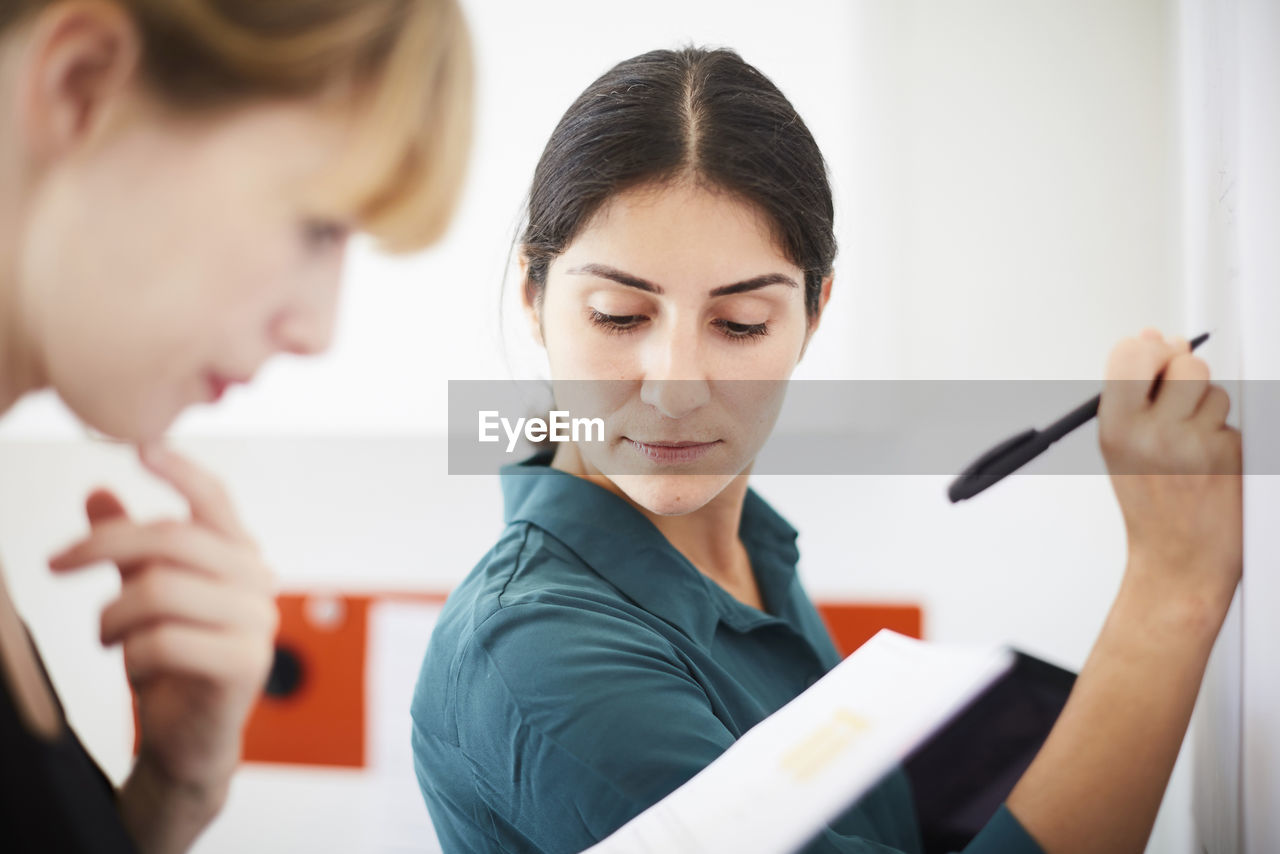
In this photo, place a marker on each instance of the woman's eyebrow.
(614, 274)
(752, 284)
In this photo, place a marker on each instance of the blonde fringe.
(403, 66)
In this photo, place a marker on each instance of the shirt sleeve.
(578, 720)
(574, 719)
(1004, 834)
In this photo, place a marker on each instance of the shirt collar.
(617, 542)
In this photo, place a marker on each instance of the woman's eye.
(322, 235)
(742, 331)
(616, 322)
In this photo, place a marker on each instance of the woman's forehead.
(669, 231)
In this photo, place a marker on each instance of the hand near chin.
(1175, 466)
(196, 618)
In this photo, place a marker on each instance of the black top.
(53, 797)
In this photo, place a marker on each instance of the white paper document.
(780, 784)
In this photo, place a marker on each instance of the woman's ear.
(82, 58)
(823, 297)
(530, 302)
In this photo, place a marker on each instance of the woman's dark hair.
(694, 113)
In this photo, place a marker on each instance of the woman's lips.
(672, 452)
(218, 384)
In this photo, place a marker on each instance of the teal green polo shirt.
(585, 669)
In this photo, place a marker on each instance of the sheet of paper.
(787, 778)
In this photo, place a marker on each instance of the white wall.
(1259, 210)
(1230, 138)
(1006, 178)
(1208, 110)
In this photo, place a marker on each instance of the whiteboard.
(1207, 85)
(1259, 269)
(1230, 79)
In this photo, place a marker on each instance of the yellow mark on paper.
(813, 754)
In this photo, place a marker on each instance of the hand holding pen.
(1175, 466)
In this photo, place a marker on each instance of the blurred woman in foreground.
(178, 179)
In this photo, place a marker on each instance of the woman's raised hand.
(1097, 782)
(196, 618)
(1175, 467)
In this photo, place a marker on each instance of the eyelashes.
(742, 331)
(615, 324)
(620, 324)
(322, 235)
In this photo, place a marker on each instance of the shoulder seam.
(524, 541)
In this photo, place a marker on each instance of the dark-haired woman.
(641, 611)
(177, 182)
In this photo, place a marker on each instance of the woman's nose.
(302, 334)
(306, 329)
(675, 379)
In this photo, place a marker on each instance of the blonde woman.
(177, 182)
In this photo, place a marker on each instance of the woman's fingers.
(1166, 426)
(196, 618)
(102, 506)
(1230, 450)
(1131, 372)
(1214, 408)
(130, 544)
(163, 593)
(171, 648)
(208, 499)
(1183, 387)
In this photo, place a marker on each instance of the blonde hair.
(406, 65)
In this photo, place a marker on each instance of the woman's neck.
(707, 537)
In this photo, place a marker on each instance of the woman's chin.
(135, 425)
(672, 495)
